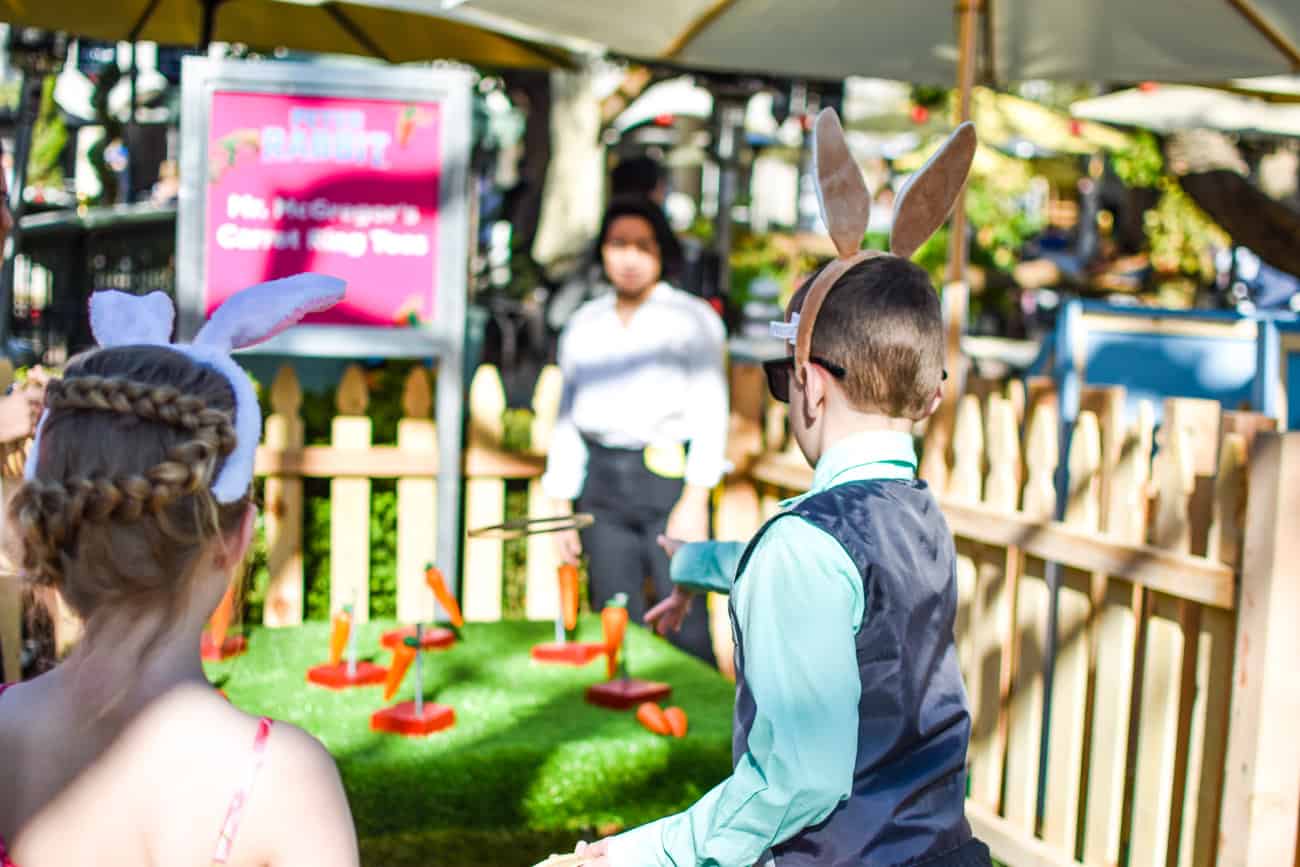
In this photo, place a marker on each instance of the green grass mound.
(529, 767)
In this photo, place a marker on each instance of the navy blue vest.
(909, 781)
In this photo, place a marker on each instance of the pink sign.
(346, 187)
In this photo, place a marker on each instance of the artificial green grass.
(528, 769)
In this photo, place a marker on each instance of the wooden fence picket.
(989, 682)
(350, 502)
(1115, 626)
(964, 486)
(1029, 652)
(417, 502)
(284, 507)
(542, 590)
(1067, 735)
(485, 500)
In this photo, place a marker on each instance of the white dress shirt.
(656, 381)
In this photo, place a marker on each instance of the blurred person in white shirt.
(642, 429)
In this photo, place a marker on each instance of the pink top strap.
(4, 853)
(226, 840)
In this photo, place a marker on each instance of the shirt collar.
(661, 291)
(862, 456)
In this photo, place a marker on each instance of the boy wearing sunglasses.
(851, 722)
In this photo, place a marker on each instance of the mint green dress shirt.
(799, 604)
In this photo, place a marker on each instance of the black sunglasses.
(778, 372)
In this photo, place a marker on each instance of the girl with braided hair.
(136, 508)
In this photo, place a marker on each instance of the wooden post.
(350, 503)
(542, 591)
(283, 496)
(1261, 794)
(485, 500)
(417, 503)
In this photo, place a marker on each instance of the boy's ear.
(929, 195)
(935, 403)
(816, 387)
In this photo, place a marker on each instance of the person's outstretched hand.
(668, 615)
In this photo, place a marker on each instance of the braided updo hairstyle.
(121, 505)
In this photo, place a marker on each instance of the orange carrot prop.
(569, 594)
(342, 626)
(613, 622)
(402, 658)
(433, 577)
(221, 618)
(652, 717)
(676, 718)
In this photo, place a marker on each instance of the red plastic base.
(568, 653)
(627, 694)
(336, 676)
(401, 719)
(430, 639)
(234, 645)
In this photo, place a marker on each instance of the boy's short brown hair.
(882, 323)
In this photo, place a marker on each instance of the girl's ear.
(234, 548)
(929, 195)
(841, 191)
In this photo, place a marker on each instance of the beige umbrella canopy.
(1007, 122)
(936, 41)
(325, 27)
(1168, 108)
(917, 40)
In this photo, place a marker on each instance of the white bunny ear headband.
(245, 319)
(919, 210)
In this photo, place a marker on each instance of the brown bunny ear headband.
(920, 209)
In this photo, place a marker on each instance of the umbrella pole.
(730, 113)
(967, 11)
(956, 294)
(130, 132)
(209, 23)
